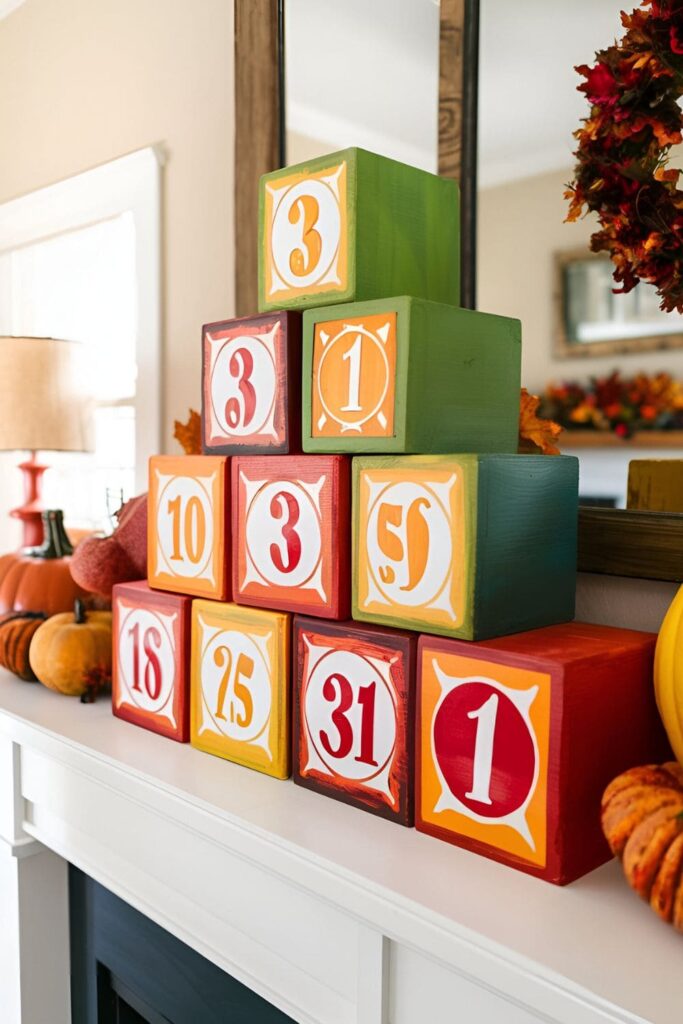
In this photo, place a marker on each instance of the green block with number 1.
(406, 375)
(353, 226)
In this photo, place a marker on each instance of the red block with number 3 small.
(291, 533)
(151, 659)
(517, 738)
(354, 703)
(251, 385)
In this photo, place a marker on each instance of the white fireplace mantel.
(333, 915)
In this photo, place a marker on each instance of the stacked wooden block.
(360, 486)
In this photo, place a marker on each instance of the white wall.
(521, 226)
(85, 81)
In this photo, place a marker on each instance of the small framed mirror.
(592, 320)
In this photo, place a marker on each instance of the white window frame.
(130, 183)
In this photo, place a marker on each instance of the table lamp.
(43, 407)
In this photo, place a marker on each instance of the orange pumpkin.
(39, 580)
(16, 633)
(642, 818)
(73, 650)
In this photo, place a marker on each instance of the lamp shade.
(43, 401)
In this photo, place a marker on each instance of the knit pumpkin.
(642, 818)
(16, 632)
(73, 650)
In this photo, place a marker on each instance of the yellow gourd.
(73, 650)
(669, 674)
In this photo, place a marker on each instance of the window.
(80, 260)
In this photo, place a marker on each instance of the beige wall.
(84, 81)
(520, 227)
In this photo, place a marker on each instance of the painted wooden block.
(406, 375)
(151, 659)
(187, 525)
(251, 385)
(291, 533)
(353, 226)
(655, 485)
(518, 737)
(240, 685)
(354, 713)
(471, 546)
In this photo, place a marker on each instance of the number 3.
(305, 211)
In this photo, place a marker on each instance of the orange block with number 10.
(240, 685)
(187, 525)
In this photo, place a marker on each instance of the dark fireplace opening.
(125, 969)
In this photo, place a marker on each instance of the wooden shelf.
(605, 439)
(625, 542)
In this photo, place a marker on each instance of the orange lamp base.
(30, 512)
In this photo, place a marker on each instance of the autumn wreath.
(622, 172)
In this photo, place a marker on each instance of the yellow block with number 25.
(240, 685)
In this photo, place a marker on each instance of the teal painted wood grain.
(520, 543)
(527, 519)
(403, 232)
(457, 379)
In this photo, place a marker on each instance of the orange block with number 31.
(240, 685)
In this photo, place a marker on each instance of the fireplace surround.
(330, 915)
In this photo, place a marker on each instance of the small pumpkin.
(669, 674)
(72, 651)
(16, 632)
(39, 579)
(642, 818)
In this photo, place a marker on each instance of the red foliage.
(621, 172)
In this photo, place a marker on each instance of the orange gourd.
(40, 580)
(642, 818)
(16, 633)
(72, 651)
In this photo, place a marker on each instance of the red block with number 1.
(517, 738)
(151, 659)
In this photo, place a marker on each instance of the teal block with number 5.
(353, 226)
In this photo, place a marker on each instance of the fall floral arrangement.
(621, 174)
(616, 403)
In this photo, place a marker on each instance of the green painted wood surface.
(403, 232)
(457, 379)
(520, 542)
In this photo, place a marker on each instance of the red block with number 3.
(291, 533)
(151, 659)
(518, 737)
(251, 385)
(354, 700)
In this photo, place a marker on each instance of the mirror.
(533, 265)
(362, 74)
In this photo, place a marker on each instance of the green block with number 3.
(353, 226)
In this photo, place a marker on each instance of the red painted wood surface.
(291, 533)
(156, 693)
(354, 709)
(251, 385)
(602, 719)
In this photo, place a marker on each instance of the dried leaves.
(189, 435)
(535, 433)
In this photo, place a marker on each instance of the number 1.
(353, 356)
(483, 750)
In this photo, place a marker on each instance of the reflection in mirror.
(533, 265)
(365, 74)
(591, 316)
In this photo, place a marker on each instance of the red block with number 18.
(151, 659)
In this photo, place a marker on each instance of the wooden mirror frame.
(614, 541)
(260, 126)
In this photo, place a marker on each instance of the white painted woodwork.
(334, 915)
